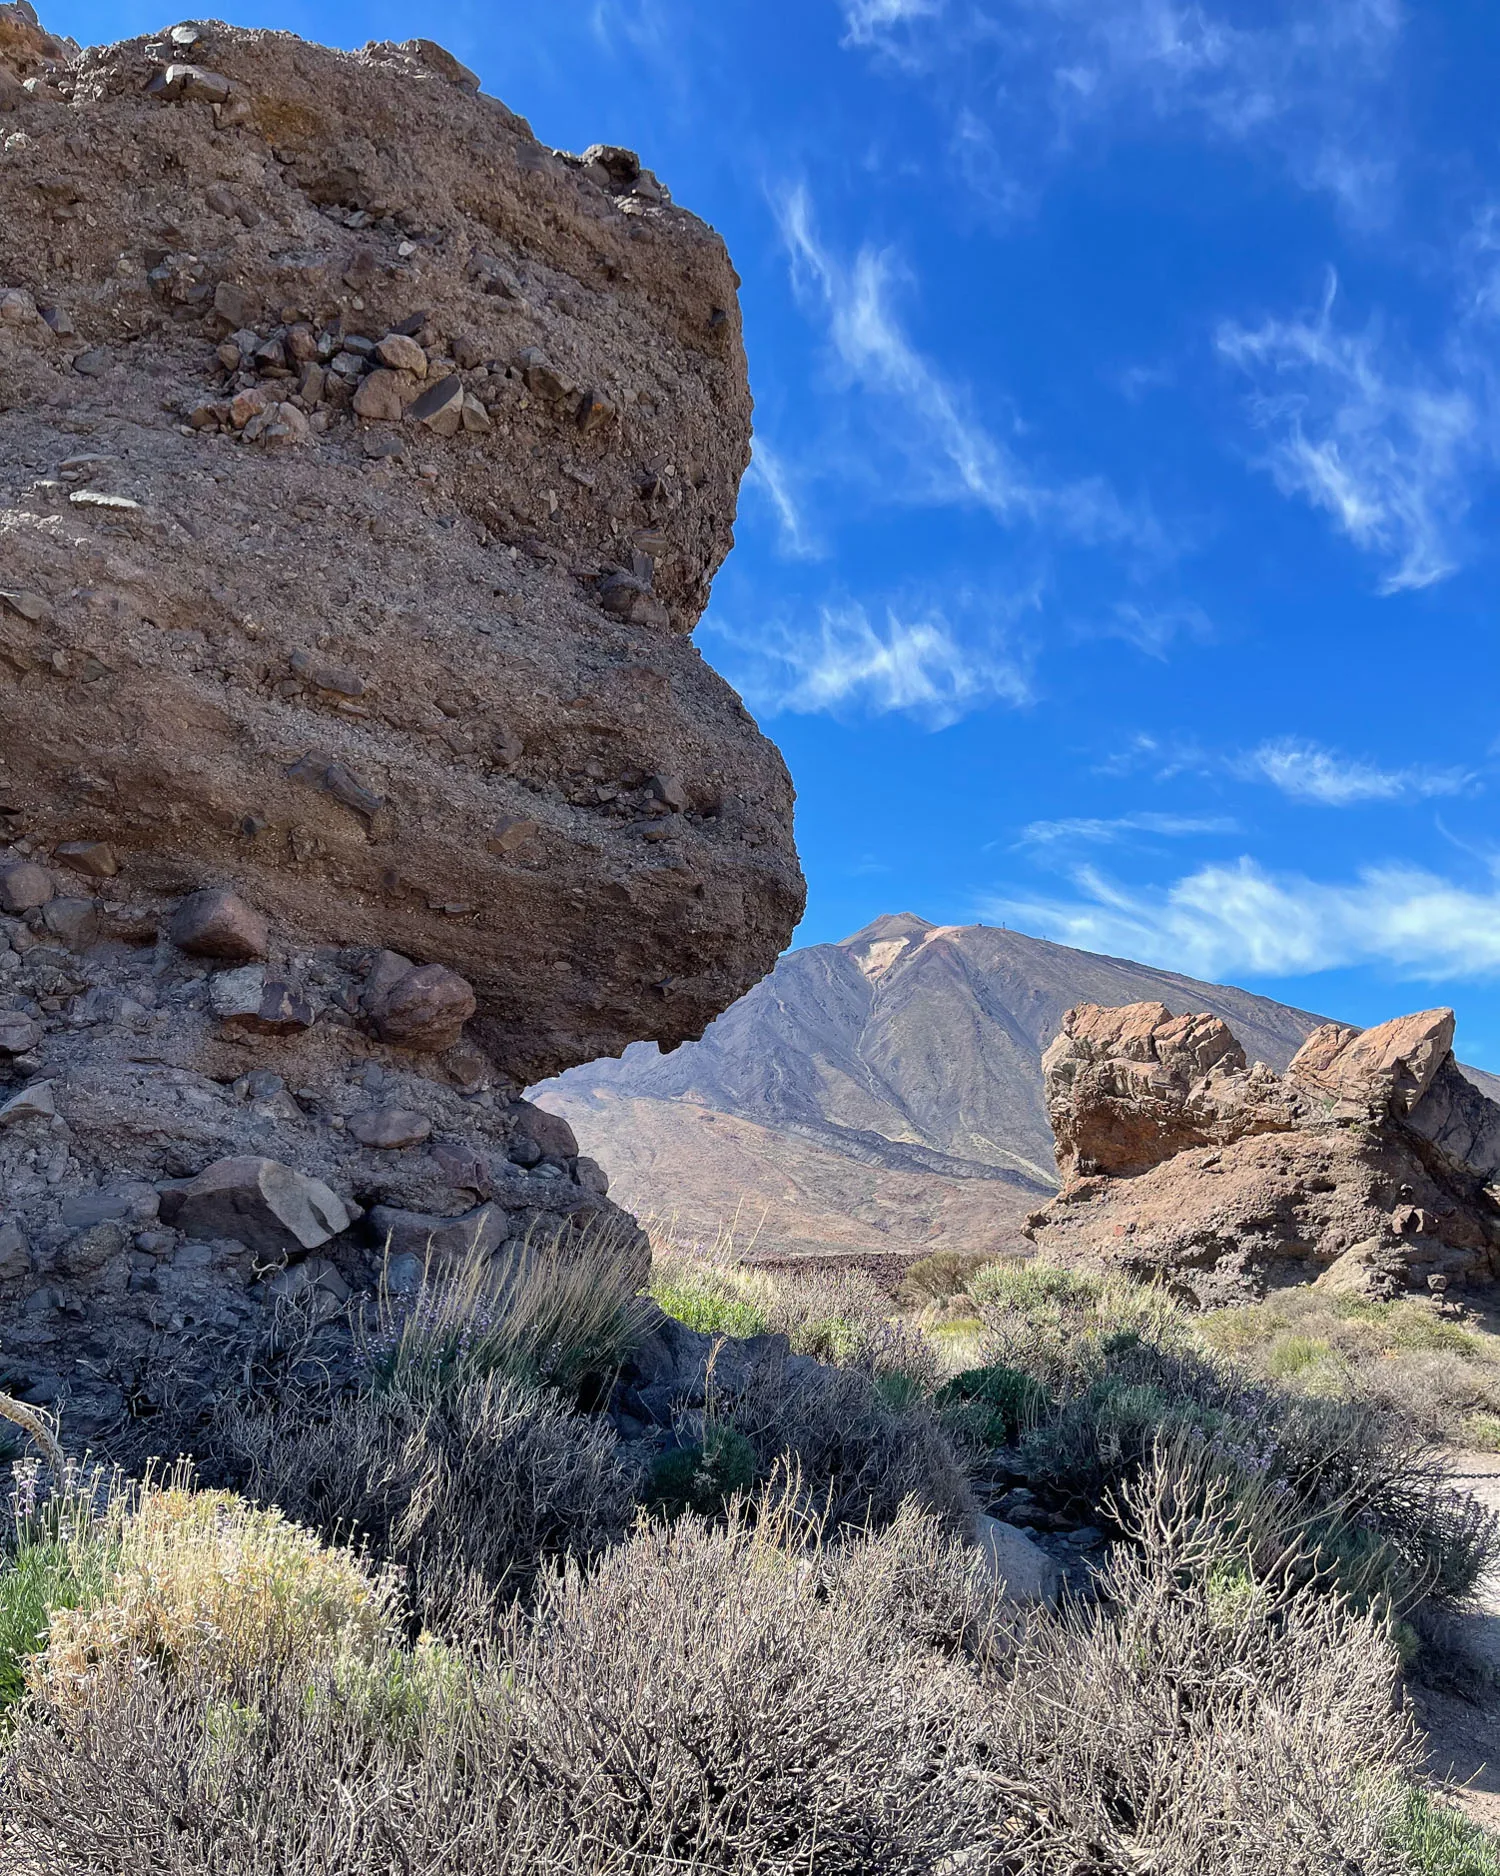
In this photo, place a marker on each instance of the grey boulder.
(268, 1207)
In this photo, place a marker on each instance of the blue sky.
(1119, 559)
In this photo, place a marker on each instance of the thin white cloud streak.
(1306, 771)
(1155, 629)
(1385, 451)
(933, 425)
(769, 474)
(867, 22)
(1301, 81)
(1241, 920)
(869, 341)
(1112, 832)
(848, 664)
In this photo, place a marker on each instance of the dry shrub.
(210, 1584)
(1200, 1720)
(860, 1456)
(745, 1700)
(469, 1489)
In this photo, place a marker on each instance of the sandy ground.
(1463, 1729)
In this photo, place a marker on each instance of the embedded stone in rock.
(15, 1259)
(18, 1032)
(94, 858)
(218, 924)
(550, 1133)
(388, 1127)
(268, 1207)
(33, 1103)
(24, 886)
(243, 999)
(478, 1233)
(380, 398)
(592, 1176)
(402, 354)
(424, 1009)
(441, 408)
(75, 922)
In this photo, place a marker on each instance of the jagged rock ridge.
(1370, 1164)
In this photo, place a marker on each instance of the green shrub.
(992, 1406)
(1435, 1840)
(941, 1276)
(34, 1582)
(703, 1477)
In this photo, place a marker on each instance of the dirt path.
(1463, 1734)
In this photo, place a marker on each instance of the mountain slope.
(883, 1094)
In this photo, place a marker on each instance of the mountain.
(879, 1095)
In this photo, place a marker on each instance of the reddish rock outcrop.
(1369, 1164)
(364, 465)
(363, 468)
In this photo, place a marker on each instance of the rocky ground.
(208, 1130)
(1368, 1166)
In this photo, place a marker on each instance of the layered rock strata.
(363, 468)
(1370, 1164)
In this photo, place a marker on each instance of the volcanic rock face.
(1368, 1164)
(363, 468)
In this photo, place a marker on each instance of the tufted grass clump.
(563, 1311)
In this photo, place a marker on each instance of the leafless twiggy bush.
(469, 1489)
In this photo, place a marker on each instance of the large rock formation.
(363, 467)
(1370, 1163)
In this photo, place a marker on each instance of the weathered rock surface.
(363, 468)
(1368, 1165)
(192, 1147)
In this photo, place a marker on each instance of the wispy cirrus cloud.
(1124, 827)
(1306, 771)
(1241, 919)
(1386, 449)
(770, 475)
(1303, 769)
(929, 419)
(870, 22)
(1300, 82)
(914, 660)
